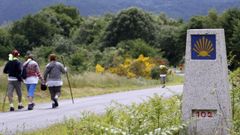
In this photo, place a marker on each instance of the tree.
(21, 43)
(36, 30)
(170, 45)
(132, 23)
(63, 46)
(89, 31)
(212, 20)
(196, 22)
(136, 47)
(39, 29)
(228, 19)
(82, 60)
(111, 57)
(5, 43)
(230, 22)
(235, 46)
(63, 17)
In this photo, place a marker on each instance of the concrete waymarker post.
(206, 99)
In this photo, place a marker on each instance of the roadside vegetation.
(235, 94)
(90, 84)
(155, 116)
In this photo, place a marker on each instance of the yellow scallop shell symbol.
(203, 47)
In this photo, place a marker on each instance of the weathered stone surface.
(206, 99)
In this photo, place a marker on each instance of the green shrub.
(154, 116)
(110, 57)
(136, 47)
(235, 94)
(155, 72)
(41, 54)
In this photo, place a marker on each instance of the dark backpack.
(24, 71)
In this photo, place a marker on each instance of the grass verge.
(90, 84)
(154, 116)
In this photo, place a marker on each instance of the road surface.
(43, 116)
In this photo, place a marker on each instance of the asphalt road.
(43, 116)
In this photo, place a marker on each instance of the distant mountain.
(15, 9)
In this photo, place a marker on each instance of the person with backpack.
(31, 75)
(52, 77)
(13, 68)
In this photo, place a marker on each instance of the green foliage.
(21, 43)
(210, 21)
(82, 60)
(5, 44)
(196, 22)
(229, 21)
(78, 60)
(134, 48)
(155, 72)
(41, 53)
(235, 49)
(213, 20)
(167, 39)
(70, 11)
(153, 116)
(235, 94)
(90, 30)
(131, 32)
(107, 80)
(35, 29)
(111, 57)
(63, 17)
(62, 45)
(132, 23)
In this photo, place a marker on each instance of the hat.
(15, 53)
(162, 66)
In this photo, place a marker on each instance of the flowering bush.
(99, 69)
(131, 68)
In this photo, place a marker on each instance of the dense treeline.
(109, 39)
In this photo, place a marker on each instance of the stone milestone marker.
(206, 100)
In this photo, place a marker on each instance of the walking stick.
(4, 100)
(68, 81)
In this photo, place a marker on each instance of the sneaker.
(163, 86)
(30, 106)
(20, 107)
(53, 105)
(55, 102)
(11, 109)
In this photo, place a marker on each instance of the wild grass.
(88, 84)
(154, 116)
(2, 63)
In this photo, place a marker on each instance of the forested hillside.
(15, 9)
(132, 42)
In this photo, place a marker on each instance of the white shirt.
(31, 80)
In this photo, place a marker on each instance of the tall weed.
(155, 116)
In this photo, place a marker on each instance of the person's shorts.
(31, 89)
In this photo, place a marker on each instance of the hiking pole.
(68, 81)
(4, 100)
